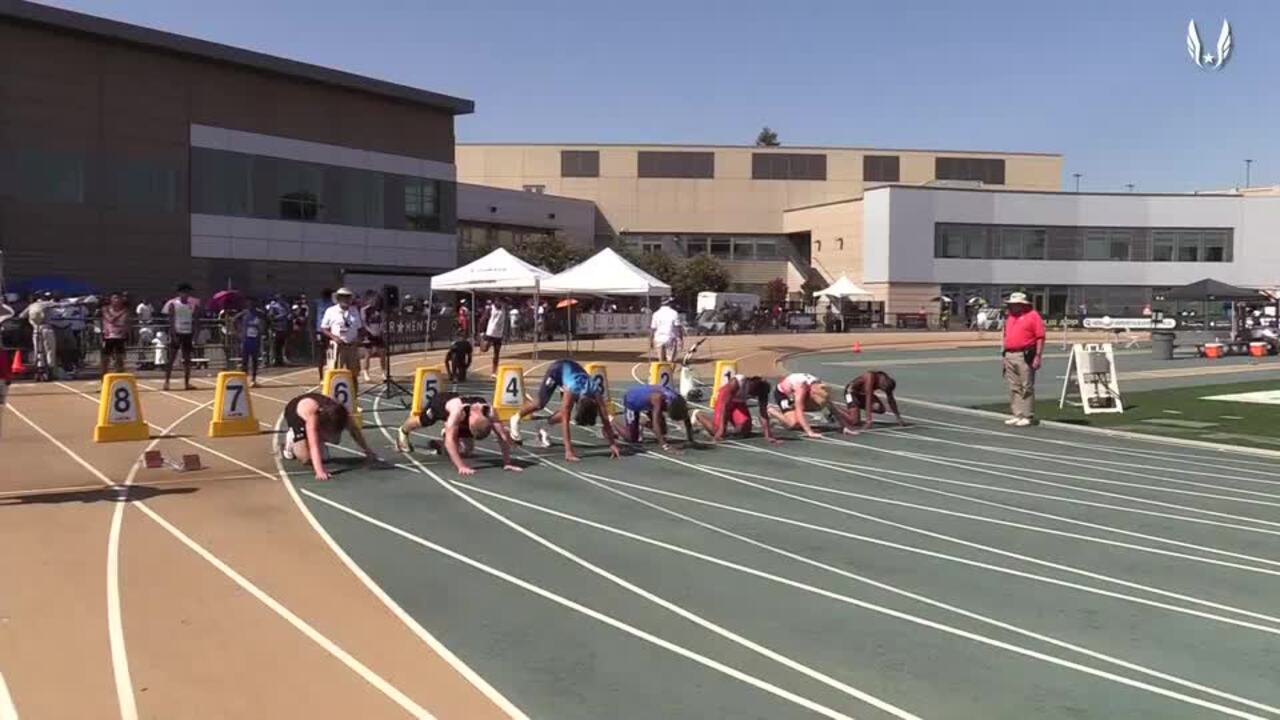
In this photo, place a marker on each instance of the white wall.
(898, 231)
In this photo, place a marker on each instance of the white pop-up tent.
(842, 289)
(499, 271)
(605, 273)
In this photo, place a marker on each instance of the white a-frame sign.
(1092, 368)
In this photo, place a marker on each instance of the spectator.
(374, 342)
(513, 322)
(144, 312)
(44, 339)
(495, 331)
(320, 345)
(181, 311)
(249, 323)
(342, 327)
(115, 333)
(278, 318)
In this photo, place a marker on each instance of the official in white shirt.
(665, 331)
(342, 325)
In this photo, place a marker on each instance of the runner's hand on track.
(512, 468)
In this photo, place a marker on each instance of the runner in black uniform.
(457, 360)
(311, 420)
(860, 394)
(466, 419)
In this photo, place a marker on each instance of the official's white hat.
(1017, 298)
(344, 291)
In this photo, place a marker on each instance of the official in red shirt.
(1023, 352)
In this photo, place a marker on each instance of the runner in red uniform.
(730, 411)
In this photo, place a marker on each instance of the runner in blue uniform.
(575, 386)
(658, 402)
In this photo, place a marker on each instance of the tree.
(701, 273)
(659, 265)
(767, 138)
(811, 285)
(775, 292)
(547, 251)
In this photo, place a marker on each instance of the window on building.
(989, 171)
(766, 249)
(143, 185)
(421, 209)
(744, 249)
(1162, 246)
(1012, 242)
(1188, 247)
(1097, 246)
(299, 187)
(788, 166)
(580, 163)
(675, 164)
(695, 246)
(1120, 244)
(975, 242)
(880, 168)
(721, 248)
(1036, 242)
(1216, 247)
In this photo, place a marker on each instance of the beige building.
(766, 212)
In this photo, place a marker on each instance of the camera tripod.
(388, 388)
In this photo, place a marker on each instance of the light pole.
(1129, 186)
(1077, 177)
(1248, 167)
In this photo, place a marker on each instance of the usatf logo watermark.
(1208, 60)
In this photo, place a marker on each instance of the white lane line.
(1223, 462)
(301, 625)
(115, 607)
(918, 620)
(414, 626)
(966, 561)
(1013, 491)
(653, 598)
(1085, 463)
(981, 467)
(1024, 526)
(1234, 451)
(1095, 461)
(8, 710)
(584, 610)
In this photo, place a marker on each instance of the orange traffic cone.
(18, 368)
(857, 347)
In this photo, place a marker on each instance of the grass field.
(1185, 412)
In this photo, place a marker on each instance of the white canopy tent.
(844, 288)
(499, 271)
(605, 273)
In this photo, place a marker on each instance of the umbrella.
(224, 299)
(940, 298)
(566, 303)
(977, 301)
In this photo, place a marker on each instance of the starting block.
(155, 460)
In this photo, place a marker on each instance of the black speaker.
(391, 296)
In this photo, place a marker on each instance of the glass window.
(298, 187)
(675, 164)
(975, 242)
(1097, 246)
(695, 246)
(1121, 241)
(720, 247)
(880, 168)
(1215, 248)
(579, 163)
(144, 185)
(989, 171)
(421, 212)
(744, 249)
(766, 249)
(1034, 246)
(788, 166)
(1188, 247)
(1162, 246)
(1011, 243)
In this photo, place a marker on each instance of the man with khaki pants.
(342, 325)
(1023, 351)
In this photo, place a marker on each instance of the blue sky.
(1107, 84)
